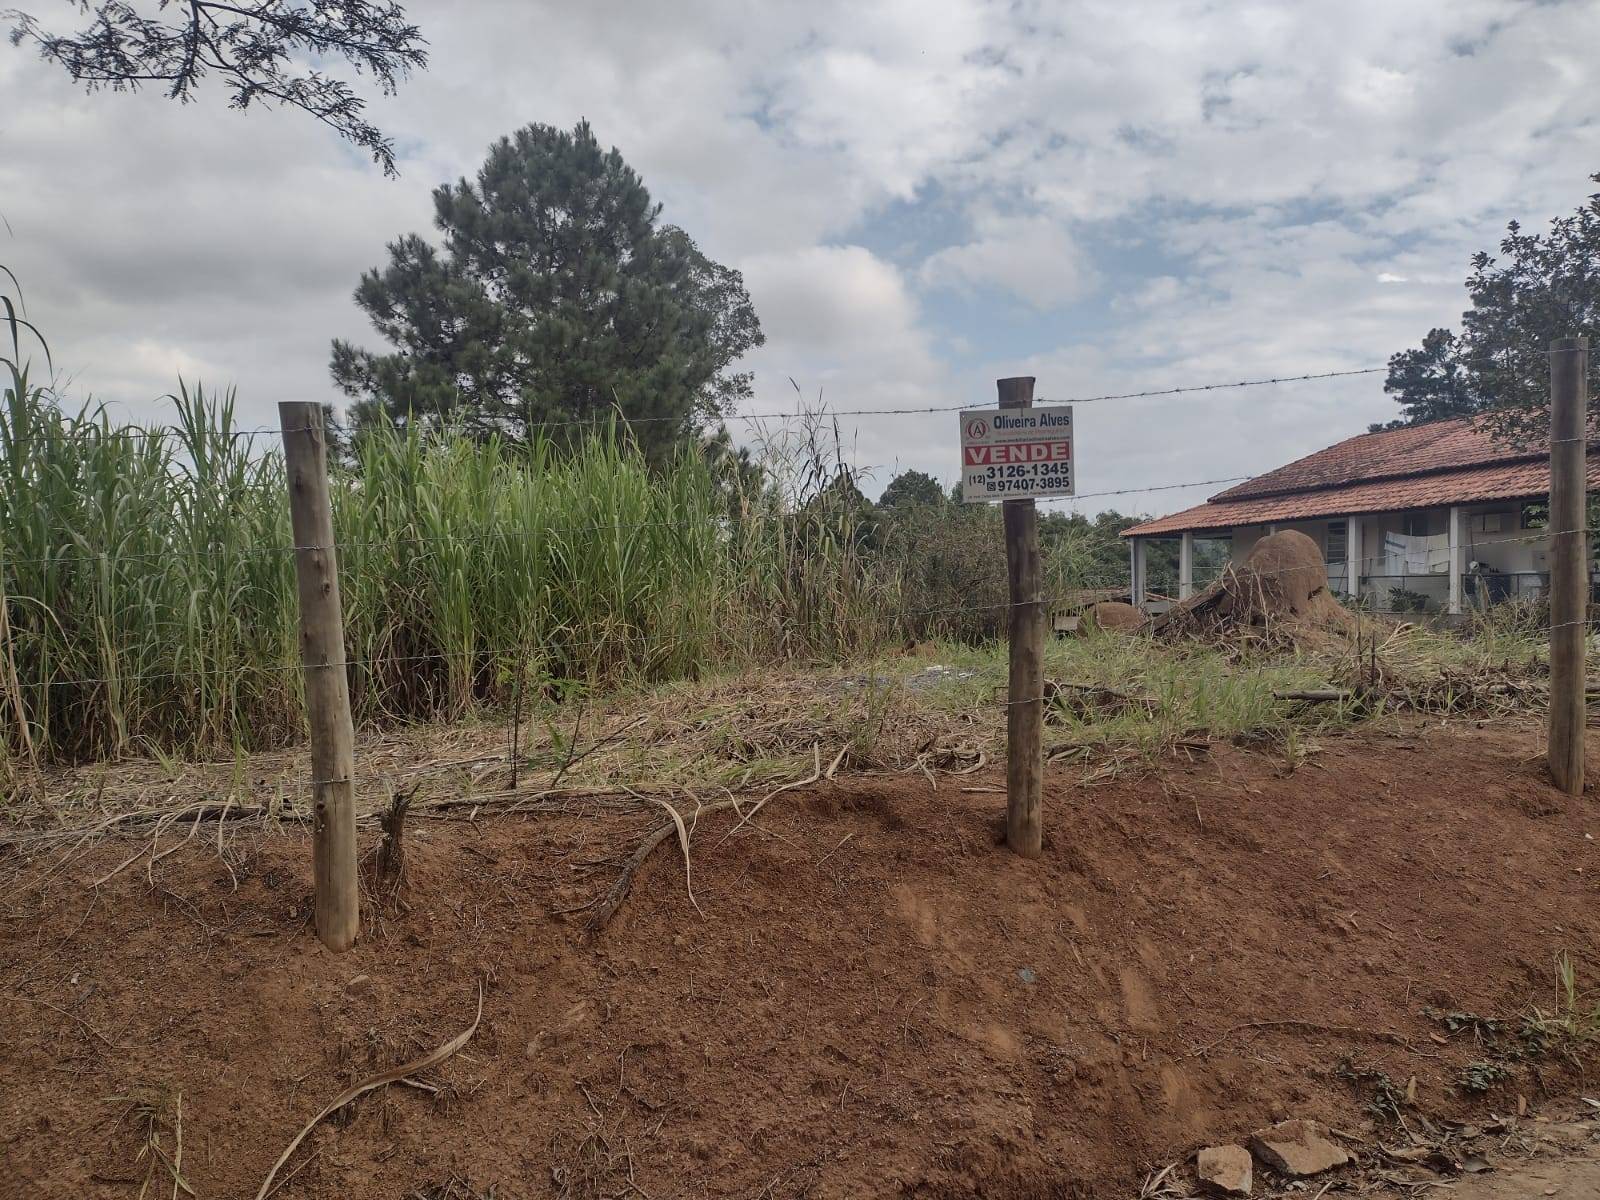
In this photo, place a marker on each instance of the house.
(1441, 517)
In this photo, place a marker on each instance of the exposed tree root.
(612, 901)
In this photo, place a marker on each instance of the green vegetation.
(1565, 1031)
(1140, 696)
(1384, 1096)
(1541, 287)
(150, 602)
(1482, 1075)
(555, 305)
(952, 555)
(1571, 1025)
(147, 599)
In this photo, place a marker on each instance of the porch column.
(1458, 564)
(1136, 567)
(1186, 566)
(1353, 555)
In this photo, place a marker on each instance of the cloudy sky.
(923, 195)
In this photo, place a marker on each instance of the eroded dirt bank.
(873, 999)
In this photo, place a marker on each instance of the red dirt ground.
(877, 1001)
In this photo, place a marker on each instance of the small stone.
(1225, 1169)
(1298, 1149)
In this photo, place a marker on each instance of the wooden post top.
(1016, 392)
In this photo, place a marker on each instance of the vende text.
(1018, 452)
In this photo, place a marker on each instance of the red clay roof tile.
(1389, 454)
(1421, 466)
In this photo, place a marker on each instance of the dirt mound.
(1283, 583)
(868, 997)
(1293, 564)
(1110, 615)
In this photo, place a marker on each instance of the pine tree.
(555, 304)
(911, 487)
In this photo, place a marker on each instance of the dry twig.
(393, 1075)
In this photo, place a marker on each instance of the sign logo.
(977, 428)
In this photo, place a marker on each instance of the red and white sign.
(1016, 453)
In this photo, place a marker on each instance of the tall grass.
(139, 606)
(148, 589)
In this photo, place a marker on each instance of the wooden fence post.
(1025, 696)
(316, 563)
(1569, 558)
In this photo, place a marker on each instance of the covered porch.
(1446, 559)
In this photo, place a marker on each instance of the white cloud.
(839, 303)
(844, 327)
(1033, 258)
(1255, 189)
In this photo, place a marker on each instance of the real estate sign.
(1016, 453)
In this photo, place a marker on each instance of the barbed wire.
(719, 524)
(512, 535)
(711, 521)
(600, 419)
(90, 432)
(1211, 387)
(527, 649)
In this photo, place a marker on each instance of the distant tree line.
(951, 557)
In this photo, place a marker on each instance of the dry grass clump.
(731, 733)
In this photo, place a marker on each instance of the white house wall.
(1511, 548)
(1391, 558)
(1244, 540)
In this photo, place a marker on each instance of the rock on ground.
(1298, 1149)
(1225, 1169)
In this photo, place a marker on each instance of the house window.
(1536, 514)
(1418, 524)
(1336, 548)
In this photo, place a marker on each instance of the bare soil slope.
(877, 1000)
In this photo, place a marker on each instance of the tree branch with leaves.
(259, 49)
(1541, 286)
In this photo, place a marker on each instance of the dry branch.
(619, 890)
(393, 1075)
(1315, 695)
(392, 849)
(683, 841)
